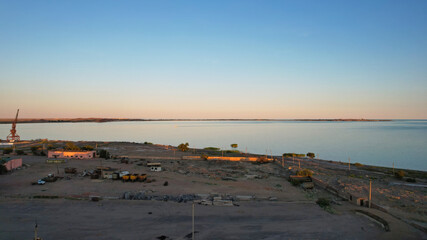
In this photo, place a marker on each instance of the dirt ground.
(277, 210)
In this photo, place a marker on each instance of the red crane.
(13, 137)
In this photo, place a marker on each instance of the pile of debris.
(143, 196)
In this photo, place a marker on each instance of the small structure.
(155, 167)
(71, 154)
(107, 172)
(11, 164)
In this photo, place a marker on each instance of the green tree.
(310, 154)
(71, 146)
(88, 148)
(204, 156)
(234, 145)
(183, 147)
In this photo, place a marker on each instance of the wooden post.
(193, 221)
(370, 192)
(283, 162)
(299, 163)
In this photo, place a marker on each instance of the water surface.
(403, 142)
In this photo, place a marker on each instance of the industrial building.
(71, 154)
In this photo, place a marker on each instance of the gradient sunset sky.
(214, 59)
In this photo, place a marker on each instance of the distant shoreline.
(102, 120)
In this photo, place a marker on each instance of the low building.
(11, 164)
(70, 154)
(155, 167)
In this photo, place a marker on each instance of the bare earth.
(278, 210)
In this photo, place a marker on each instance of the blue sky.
(214, 59)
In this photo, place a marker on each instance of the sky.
(214, 59)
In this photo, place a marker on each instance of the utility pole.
(348, 164)
(283, 162)
(370, 192)
(193, 221)
(393, 167)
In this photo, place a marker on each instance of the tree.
(71, 146)
(183, 147)
(234, 145)
(310, 154)
(204, 156)
(88, 148)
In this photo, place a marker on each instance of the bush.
(7, 150)
(212, 149)
(71, 146)
(20, 152)
(399, 174)
(305, 173)
(183, 147)
(310, 154)
(88, 148)
(358, 164)
(232, 151)
(234, 145)
(148, 143)
(50, 146)
(289, 155)
(323, 202)
(204, 156)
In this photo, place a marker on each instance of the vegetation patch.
(288, 155)
(305, 173)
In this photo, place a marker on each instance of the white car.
(40, 182)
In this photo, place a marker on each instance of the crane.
(12, 137)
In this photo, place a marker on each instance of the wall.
(12, 164)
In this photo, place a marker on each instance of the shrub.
(148, 143)
(399, 174)
(232, 151)
(212, 149)
(358, 164)
(204, 156)
(50, 146)
(183, 147)
(310, 154)
(71, 146)
(288, 155)
(234, 145)
(323, 202)
(305, 173)
(7, 150)
(88, 148)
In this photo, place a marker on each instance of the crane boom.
(13, 137)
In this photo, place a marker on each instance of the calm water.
(403, 142)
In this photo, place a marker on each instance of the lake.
(403, 142)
